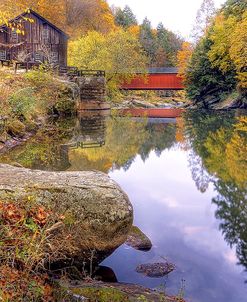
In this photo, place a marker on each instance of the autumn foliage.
(183, 57)
(229, 49)
(17, 285)
(217, 66)
(75, 17)
(22, 236)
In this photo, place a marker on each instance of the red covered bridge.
(157, 79)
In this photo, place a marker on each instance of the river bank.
(151, 99)
(177, 100)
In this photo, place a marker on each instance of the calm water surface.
(186, 179)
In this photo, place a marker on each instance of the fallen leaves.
(22, 231)
(11, 213)
(40, 215)
(16, 285)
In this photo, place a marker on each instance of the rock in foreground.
(96, 213)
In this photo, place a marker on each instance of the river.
(187, 181)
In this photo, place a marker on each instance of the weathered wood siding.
(38, 35)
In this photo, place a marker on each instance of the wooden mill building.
(40, 41)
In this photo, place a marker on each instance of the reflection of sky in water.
(181, 224)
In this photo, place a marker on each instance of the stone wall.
(92, 87)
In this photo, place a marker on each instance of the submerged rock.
(97, 214)
(138, 240)
(155, 270)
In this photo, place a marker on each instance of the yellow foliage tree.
(183, 58)
(228, 50)
(221, 37)
(118, 53)
(134, 30)
(238, 50)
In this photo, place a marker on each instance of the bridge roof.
(154, 70)
(163, 70)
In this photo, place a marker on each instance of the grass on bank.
(26, 99)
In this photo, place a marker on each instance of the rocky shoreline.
(138, 102)
(179, 102)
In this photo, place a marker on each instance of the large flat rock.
(100, 213)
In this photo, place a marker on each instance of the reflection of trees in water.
(199, 123)
(159, 137)
(128, 164)
(220, 140)
(43, 150)
(232, 211)
(198, 126)
(199, 173)
(125, 138)
(122, 140)
(62, 146)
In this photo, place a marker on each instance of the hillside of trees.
(160, 44)
(79, 17)
(215, 68)
(103, 37)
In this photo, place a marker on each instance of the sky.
(176, 15)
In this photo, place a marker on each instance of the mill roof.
(30, 11)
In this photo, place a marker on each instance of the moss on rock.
(16, 128)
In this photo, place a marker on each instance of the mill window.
(45, 33)
(37, 57)
(14, 36)
(54, 57)
(2, 54)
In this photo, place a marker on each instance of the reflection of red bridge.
(156, 79)
(152, 112)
